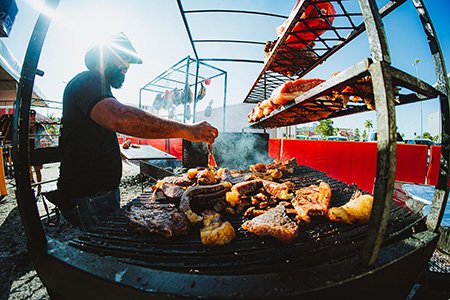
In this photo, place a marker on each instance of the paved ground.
(18, 279)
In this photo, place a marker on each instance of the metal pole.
(416, 65)
(225, 82)
(186, 87)
(197, 67)
(140, 98)
(183, 16)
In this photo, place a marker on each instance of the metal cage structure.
(383, 78)
(93, 276)
(184, 75)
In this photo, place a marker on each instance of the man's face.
(115, 71)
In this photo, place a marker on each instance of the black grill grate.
(317, 242)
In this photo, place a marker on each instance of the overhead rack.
(287, 61)
(320, 103)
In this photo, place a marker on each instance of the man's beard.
(114, 76)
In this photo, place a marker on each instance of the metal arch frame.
(441, 193)
(384, 100)
(26, 201)
(25, 197)
(387, 142)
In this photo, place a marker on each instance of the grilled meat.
(279, 190)
(275, 222)
(235, 196)
(171, 190)
(273, 169)
(155, 217)
(206, 177)
(292, 61)
(281, 96)
(357, 210)
(182, 180)
(206, 194)
(215, 232)
(247, 187)
(192, 173)
(292, 89)
(312, 201)
(256, 113)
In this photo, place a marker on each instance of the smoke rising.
(235, 150)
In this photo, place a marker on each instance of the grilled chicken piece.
(273, 169)
(275, 222)
(279, 190)
(215, 232)
(259, 168)
(260, 197)
(357, 210)
(206, 177)
(154, 217)
(254, 212)
(256, 113)
(192, 173)
(312, 201)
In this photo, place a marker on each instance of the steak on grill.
(157, 217)
(275, 222)
(312, 200)
(171, 190)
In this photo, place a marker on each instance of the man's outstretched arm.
(129, 120)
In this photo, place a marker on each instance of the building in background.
(434, 120)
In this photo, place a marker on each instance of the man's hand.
(202, 132)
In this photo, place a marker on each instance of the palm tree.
(368, 124)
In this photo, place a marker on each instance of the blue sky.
(157, 32)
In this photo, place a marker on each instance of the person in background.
(91, 167)
(39, 138)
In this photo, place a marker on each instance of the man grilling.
(91, 166)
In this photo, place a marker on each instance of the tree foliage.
(325, 128)
(368, 125)
(427, 135)
(364, 134)
(357, 135)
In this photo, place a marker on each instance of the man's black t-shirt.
(90, 154)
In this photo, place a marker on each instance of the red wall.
(274, 148)
(355, 162)
(171, 146)
(433, 170)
